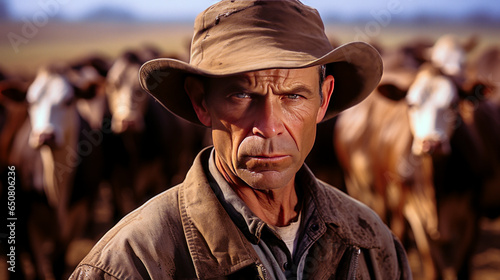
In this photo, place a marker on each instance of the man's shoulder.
(151, 232)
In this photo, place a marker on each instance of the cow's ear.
(391, 91)
(14, 90)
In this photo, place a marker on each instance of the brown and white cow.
(423, 156)
(59, 159)
(127, 101)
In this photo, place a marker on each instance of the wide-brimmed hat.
(237, 36)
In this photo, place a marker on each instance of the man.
(262, 74)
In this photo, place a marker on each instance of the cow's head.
(449, 54)
(127, 101)
(52, 109)
(432, 100)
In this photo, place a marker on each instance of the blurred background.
(63, 28)
(35, 33)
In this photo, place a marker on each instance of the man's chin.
(266, 180)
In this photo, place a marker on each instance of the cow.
(150, 146)
(420, 155)
(59, 161)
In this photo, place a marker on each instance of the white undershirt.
(289, 234)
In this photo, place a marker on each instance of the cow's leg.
(421, 241)
(395, 197)
(459, 229)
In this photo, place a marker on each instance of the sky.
(187, 10)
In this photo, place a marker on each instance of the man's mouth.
(267, 162)
(268, 157)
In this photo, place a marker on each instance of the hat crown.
(245, 35)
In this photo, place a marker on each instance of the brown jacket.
(185, 233)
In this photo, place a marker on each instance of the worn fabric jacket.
(185, 233)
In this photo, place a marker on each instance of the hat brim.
(356, 67)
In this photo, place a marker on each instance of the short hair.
(322, 76)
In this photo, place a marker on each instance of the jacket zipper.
(262, 272)
(354, 263)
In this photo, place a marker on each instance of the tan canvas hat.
(237, 36)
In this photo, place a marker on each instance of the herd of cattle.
(423, 151)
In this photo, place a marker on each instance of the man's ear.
(326, 90)
(196, 92)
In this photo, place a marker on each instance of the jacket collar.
(240, 213)
(218, 247)
(215, 243)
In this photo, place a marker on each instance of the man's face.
(264, 123)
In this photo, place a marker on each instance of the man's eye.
(293, 96)
(241, 95)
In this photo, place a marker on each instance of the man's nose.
(268, 120)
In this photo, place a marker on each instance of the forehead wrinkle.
(279, 80)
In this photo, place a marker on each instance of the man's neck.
(278, 207)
